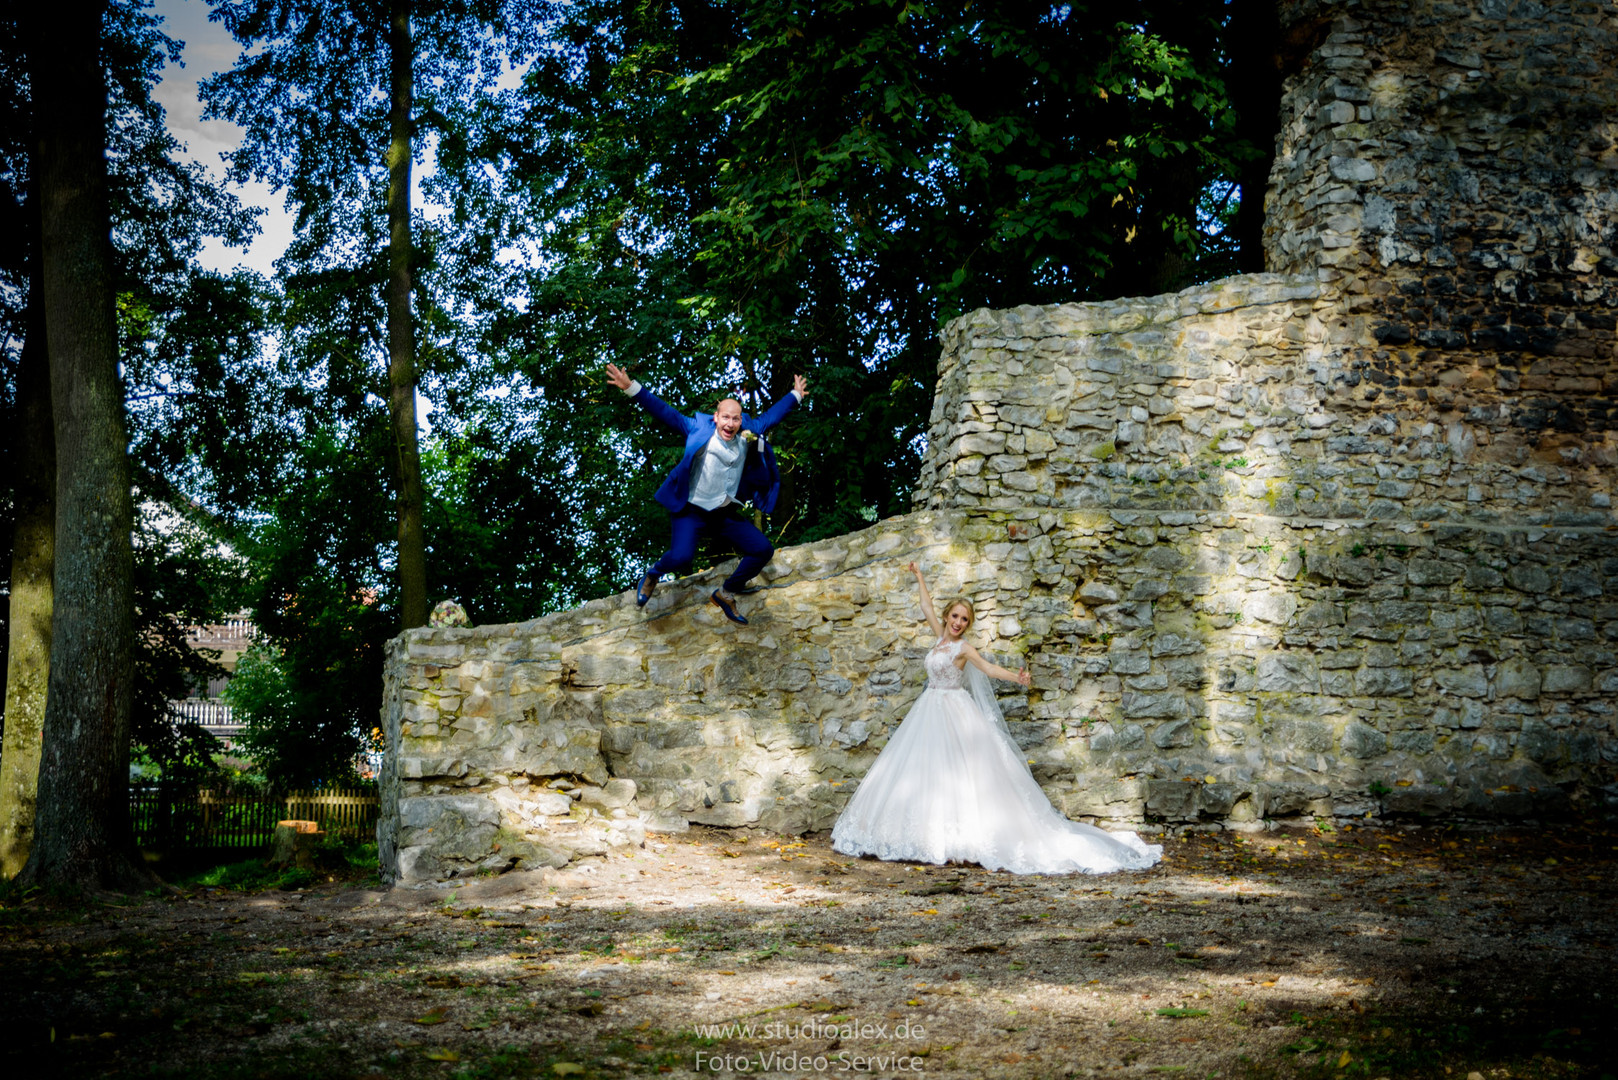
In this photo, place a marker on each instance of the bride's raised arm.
(927, 602)
(995, 671)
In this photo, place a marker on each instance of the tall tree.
(338, 101)
(401, 327)
(21, 341)
(28, 658)
(310, 696)
(82, 836)
(334, 98)
(161, 210)
(1258, 63)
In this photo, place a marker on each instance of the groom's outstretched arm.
(647, 400)
(777, 412)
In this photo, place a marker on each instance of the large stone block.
(1540, 742)
(1276, 608)
(1284, 799)
(616, 794)
(1529, 578)
(445, 834)
(1311, 736)
(1288, 673)
(1566, 679)
(1383, 682)
(1172, 800)
(1418, 800)
(1517, 678)
(1174, 733)
(606, 669)
(1155, 706)
(1468, 681)
(1363, 741)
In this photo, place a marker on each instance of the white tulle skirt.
(951, 786)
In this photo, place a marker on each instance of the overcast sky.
(209, 49)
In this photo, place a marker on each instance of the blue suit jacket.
(761, 480)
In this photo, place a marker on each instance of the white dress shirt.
(717, 472)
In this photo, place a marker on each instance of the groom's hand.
(801, 385)
(618, 377)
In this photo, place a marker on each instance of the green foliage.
(309, 483)
(162, 208)
(501, 523)
(1041, 143)
(251, 875)
(320, 593)
(213, 419)
(260, 692)
(310, 92)
(720, 195)
(345, 858)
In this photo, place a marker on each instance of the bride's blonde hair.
(961, 601)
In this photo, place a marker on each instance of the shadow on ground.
(1360, 953)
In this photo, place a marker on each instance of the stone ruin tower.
(1331, 541)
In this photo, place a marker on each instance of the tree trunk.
(82, 835)
(33, 553)
(401, 331)
(295, 844)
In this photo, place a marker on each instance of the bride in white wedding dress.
(951, 785)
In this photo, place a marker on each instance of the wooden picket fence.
(171, 819)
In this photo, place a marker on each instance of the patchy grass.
(1354, 954)
(349, 861)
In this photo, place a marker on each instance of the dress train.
(951, 785)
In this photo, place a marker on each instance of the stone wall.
(575, 733)
(1331, 542)
(1241, 395)
(1259, 608)
(1447, 171)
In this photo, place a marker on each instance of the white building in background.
(230, 639)
(158, 523)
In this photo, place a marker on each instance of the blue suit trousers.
(691, 523)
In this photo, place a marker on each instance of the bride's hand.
(914, 569)
(1024, 678)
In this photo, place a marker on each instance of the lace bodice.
(942, 674)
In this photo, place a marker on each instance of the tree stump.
(294, 844)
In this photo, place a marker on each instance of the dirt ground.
(1353, 953)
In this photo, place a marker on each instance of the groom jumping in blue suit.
(704, 492)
